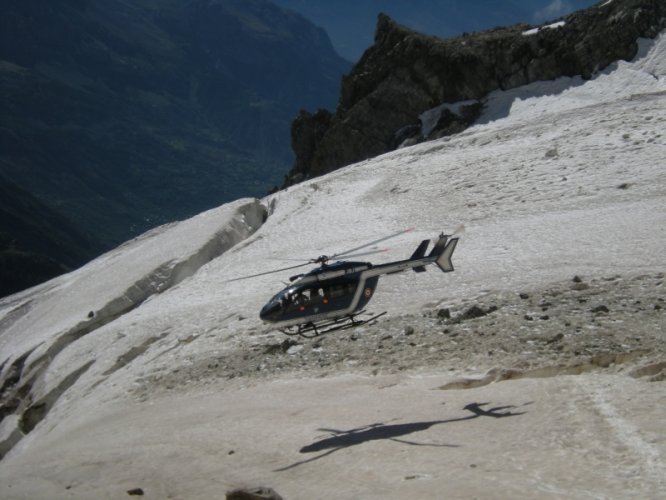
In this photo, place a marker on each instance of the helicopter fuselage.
(331, 291)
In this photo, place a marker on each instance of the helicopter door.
(340, 294)
(368, 291)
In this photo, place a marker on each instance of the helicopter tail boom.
(440, 255)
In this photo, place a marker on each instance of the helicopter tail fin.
(419, 253)
(442, 252)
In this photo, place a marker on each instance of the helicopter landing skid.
(312, 330)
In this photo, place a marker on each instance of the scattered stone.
(295, 349)
(136, 492)
(444, 313)
(600, 309)
(577, 279)
(261, 493)
(416, 476)
(650, 370)
(281, 347)
(474, 312)
(524, 296)
(624, 185)
(409, 330)
(91, 314)
(556, 338)
(605, 359)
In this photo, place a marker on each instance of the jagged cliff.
(405, 73)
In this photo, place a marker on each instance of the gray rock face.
(406, 73)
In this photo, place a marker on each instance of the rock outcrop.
(406, 74)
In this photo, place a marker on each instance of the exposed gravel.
(610, 323)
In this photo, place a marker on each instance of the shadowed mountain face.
(404, 74)
(36, 243)
(119, 116)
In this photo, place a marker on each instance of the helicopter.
(332, 296)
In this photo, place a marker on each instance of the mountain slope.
(122, 115)
(560, 189)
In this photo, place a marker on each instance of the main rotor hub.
(322, 259)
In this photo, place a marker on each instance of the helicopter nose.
(270, 312)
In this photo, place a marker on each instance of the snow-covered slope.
(558, 179)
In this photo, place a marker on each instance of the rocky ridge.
(406, 74)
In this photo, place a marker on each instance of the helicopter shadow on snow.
(374, 432)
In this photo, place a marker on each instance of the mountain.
(350, 23)
(120, 116)
(535, 368)
(442, 85)
(36, 243)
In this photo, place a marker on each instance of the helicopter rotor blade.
(369, 252)
(287, 259)
(268, 272)
(347, 252)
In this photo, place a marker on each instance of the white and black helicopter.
(333, 296)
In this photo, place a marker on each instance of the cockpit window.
(340, 290)
(300, 299)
